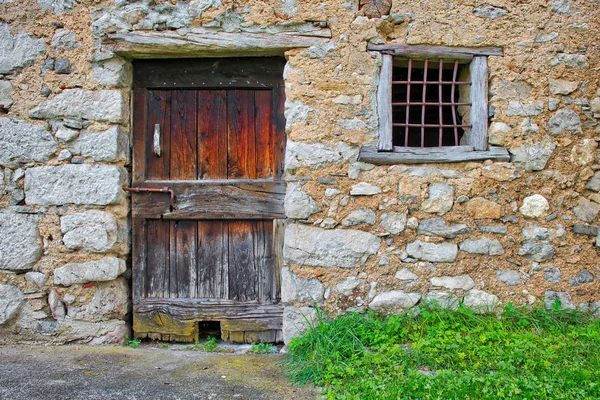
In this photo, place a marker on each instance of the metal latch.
(153, 190)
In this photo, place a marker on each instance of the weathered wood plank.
(426, 51)
(260, 336)
(207, 309)
(411, 155)
(154, 322)
(213, 257)
(139, 251)
(265, 260)
(183, 161)
(243, 274)
(139, 139)
(157, 259)
(222, 44)
(279, 226)
(479, 103)
(279, 138)
(185, 258)
(384, 103)
(240, 135)
(240, 324)
(265, 145)
(227, 199)
(159, 112)
(212, 133)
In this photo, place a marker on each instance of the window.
(432, 105)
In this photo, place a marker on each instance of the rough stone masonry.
(359, 236)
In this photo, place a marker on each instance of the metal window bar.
(441, 100)
(423, 106)
(408, 101)
(454, 74)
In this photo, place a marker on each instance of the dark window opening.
(426, 110)
(208, 329)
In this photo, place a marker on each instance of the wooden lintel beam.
(411, 155)
(424, 51)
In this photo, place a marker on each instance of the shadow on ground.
(82, 372)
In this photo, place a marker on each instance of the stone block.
(58, 6)
(6, 100)
(364, 189)
(115, 72)
(93, 230)
(565, 120)
(93, 333)
(312, 156)
(105, 269)
(533, 156)
(19, 50)
(345, 248)
(295, 112)
(462, 282)
(535, 232)
(509, 277)
(518, 109)
(111, 145)
(586, 210)
(406, 274)
(489, 12)
(534, 206)
(22, 143)
(394, 301)
(438, 227)
(570, 61)
(550, 298)
(562, 87)
(346, 286)
(111, 301)
(11, 298)
(440, 200)
(296, 320)
(480, 301)
(393, 222)
(434, 252)
(302, 290)
(361, 216)
(482, 246)
(75, 184)
(20, 241)
(100, 105)
(582, 277)
(538, 252)
(594, 183)
(443, 300)
(298, 204)
(64, 39)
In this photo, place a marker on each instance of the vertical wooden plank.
(139, 250)
(384, 103)
(213, 268)
(240, 134)
(263, 115)
(159, 112)
(479, 103)
(243, 279)
(183, 161)
(279, 138)
(157, 261)
(139, 131)
(184, 270)
(279, 226)
(212, 134)
(265, 260)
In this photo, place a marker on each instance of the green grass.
(133, 343)
(439, 354)
(261, 348)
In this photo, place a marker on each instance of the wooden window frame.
(477, 147)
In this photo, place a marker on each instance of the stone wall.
(359, 236)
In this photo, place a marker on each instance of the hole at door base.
(208, 329)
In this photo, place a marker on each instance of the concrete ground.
(86, 372)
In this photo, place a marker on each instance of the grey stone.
(346, 286)
(550, 298)
(393, 222)
(440, 200)
(19, 50)
(351, 124)
(76, 184)
(562, 87)
(66, 135)
(506, 90)
(499, 134)
(327, 181)
(99, 105)
(535, 232)
(581, 229)
(6, 100)
(328, 223)
(111, 145)
(489, 12)
(586, 210)
(406, 274)
(64, 39)
(364, 189)
(105, 269)
(303, 290)
(320, 50)
(21, 143)
(538, 252)
(58, 6)
(20, 241)
(111, 301)
(545, 37)
(64, 154)
(482, 246)
(519, 109)
(345, 248)
(298, 204)
(93, 230)
(296, 112)
(438, 227)
(570, 61)
(115, 72)
(565, 120)
(553, 104)
(562, 6)
(529, 128)
(462, 282)
(56, 305)
(394, 301)
(534, 206)
(296, 320)
(312, 156)
(434, 252)
(552, 274)
(443, 300)
(581, 278)
(343, 99)
(480, 301)
(62, 66)
(533, 156)
(428, 172)
(110, 23)
(36, 277)
(509, 277)
(48, 65)
(500, 229)
(94, 333)
(356, 167)
(330, 193)
(361, 216)
(11, 298)
(594, 183)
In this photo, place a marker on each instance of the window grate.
(423, 116)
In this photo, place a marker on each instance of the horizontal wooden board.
(414, 155)
(217, 199)
(423, 51)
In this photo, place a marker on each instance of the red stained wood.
(263, 119)
(243, 274)
(213, 260)
(212, 133)
(241, 145)
(159, 106)
(140, 111)
(184, 112)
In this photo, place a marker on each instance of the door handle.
(157, 140)
(153, 190)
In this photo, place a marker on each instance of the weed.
(133, 343)
(211, 344)
(261, 348)
(521, 353)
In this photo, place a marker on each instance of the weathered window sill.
(416, 155)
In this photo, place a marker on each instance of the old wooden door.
(209, 144)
